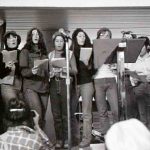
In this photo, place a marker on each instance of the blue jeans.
(58, 97)
(11, 91)
(41, 103)
(38, 102)
(142, 93)
(86, 91)
(106, 87)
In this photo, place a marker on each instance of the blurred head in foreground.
(128, 135)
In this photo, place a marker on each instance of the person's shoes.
(98, 136)
(66, 144)
(59, 144)
(84, 143)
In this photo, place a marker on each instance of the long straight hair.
(75, 46)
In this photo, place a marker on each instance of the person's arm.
(47, 145)
(27, 71)
(73, 65)
(24, 64)
(4, 71)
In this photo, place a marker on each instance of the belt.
(58, 78)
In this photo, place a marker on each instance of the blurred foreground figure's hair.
(128, 135)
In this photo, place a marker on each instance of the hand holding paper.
(35, 70)
(148, 78)
(9, 64)
(86, 62)
(134, 75)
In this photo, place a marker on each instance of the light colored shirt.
(21, 138)
(142, 65)
(55, 70)
(104, 71)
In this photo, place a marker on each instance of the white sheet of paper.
(59, 62)
(39, 62)
(9, 56)
(85, 53)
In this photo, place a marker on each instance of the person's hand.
(148, 78)
(36, 117)
(35, 70)
(10, 64)
(86, 62)
(135, 81)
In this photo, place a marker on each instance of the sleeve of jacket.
(3, 71)
(24, 64)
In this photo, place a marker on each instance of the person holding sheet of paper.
(82, 44)
(11, 84)
(106, 87)
(4, 71)
(142, 88)
(35, 76)
(58, 89)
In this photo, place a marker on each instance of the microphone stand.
(68, 91)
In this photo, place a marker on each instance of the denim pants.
(131, 109)
(142, 93)
(58, 97)
(75, 127)
(9, 92)
(38, 102)
(106, 87)
(86, 91)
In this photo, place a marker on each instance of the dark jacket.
(3, 71)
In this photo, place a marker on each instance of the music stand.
(107, 51)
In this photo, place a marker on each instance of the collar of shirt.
(18, 128)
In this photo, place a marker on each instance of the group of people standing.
(43, 85)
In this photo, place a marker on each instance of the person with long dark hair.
(35, 78)
(84, 83)
(58, 89)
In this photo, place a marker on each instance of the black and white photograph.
(74, 75)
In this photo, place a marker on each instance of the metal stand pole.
(68, 93)
(121, 81)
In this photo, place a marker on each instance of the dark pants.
(132, 111)
(58, 97)
(142, 93)
(106, 87)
